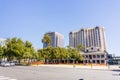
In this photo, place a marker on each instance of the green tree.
(51, 54)
(35, 56)
(74, 54)
(28, 44)
(14, 48)
(1, 51)
(40, 55)
(46, 40)
(29, 52)
(80, 47)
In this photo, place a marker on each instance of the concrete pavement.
(58, 72)
(110, 67)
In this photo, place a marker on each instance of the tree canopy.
(46, 40)
(16, 48)
(56, 53)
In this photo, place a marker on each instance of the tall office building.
(57, 39)
(93, 40)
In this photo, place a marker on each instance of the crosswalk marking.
(6, 78)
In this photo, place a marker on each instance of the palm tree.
(80, 47)
(1, 51)
(46, 40)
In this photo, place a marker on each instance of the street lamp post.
(107, 59)
(107, 64)
(91, 63)
(73, 62)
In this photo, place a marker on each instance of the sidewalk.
(111, 67)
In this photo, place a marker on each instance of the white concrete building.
(93, 40)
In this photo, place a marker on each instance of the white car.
(12, 63)
(5, 64)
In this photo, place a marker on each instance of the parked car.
(5, 64)
(2, 63)
(12, 63)
(16, 63)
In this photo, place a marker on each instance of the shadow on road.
(116, 74)
(81, 79)
(116, 70)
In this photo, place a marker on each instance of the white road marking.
(6, 78)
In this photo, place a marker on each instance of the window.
(94, 56)
(86, 56)
(90, 56)
(102, 56)
(98, 50)
(102, 61)
(98, 56)
(93, 61)
(86, 50)
(89, 61)
(98, 61)
(92, 48)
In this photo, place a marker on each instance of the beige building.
(93, 40)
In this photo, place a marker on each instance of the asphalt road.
(55, 73)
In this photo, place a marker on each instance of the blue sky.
(30, 19)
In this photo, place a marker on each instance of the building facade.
(93, 40)
(57, 39)
(115, 60)
(2, 41)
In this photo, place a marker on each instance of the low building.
(115, 60)
(98, 57)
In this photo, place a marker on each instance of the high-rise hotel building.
(93, 40)
(57, 39)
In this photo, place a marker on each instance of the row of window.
(90, 36)
(95, 61)
(94, 56)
